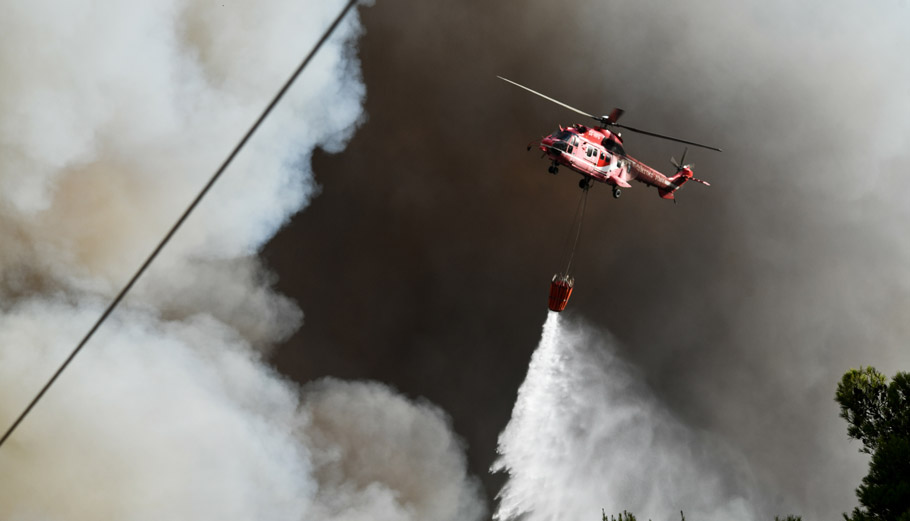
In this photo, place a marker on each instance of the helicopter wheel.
(553, 170)
(585, 183)
(616, 192)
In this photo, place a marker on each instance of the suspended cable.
(182, 218)
(565, 247)
(581, 221)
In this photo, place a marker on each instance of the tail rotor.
(681, 164)
(686, 169)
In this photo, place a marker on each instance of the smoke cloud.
(111, 118)
(380, 456)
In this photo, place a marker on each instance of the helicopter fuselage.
(597, 154)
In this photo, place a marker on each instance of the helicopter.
(597, 154)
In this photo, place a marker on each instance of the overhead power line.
(186, 213)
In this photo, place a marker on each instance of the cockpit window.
(614, 147)
(562, 135)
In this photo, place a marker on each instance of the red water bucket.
(560, 291)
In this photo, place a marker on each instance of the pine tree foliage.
(878, 415)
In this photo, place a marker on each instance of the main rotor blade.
(661, 136)
(549, 98)
(615, 115)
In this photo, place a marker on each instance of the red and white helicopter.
(598, 155)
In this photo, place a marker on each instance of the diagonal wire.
(182, 218)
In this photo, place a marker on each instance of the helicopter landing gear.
(616, 192)
(552, 169)
(584, 184)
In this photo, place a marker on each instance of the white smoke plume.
(112, 115)
(586, 435)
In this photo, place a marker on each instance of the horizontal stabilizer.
(620, 182)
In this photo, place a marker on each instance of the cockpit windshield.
(613, 147)
(562, 135)
(564, 140)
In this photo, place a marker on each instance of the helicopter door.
(593, 154)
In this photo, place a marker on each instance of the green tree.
(878, 415)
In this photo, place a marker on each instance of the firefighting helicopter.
(598, 155)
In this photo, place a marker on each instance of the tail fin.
(683, 175)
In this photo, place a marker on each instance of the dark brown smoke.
(425, 261)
